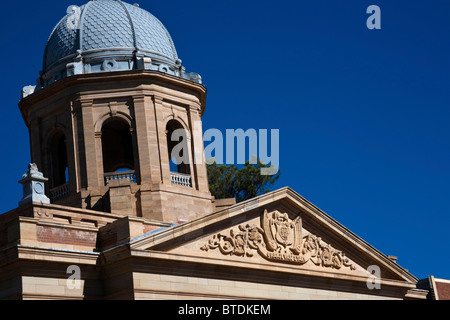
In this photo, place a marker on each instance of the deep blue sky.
(363, 114)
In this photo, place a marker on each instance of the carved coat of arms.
(278, 239)
(281, 233)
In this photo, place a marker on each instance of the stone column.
(36, 143)
(144, 137)
(90, 152)
(72, 154)
(99, 158)
(162, 141)
(199, 164)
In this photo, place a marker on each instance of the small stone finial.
(33, 186)
(195, 77)
(28, 90)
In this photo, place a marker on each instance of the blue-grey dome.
(109, 35)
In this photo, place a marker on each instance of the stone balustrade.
(125, 175)
(60, 192)
(181, 179)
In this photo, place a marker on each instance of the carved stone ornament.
(33, 186)
(278, 239)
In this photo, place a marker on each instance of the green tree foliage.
(228, 181)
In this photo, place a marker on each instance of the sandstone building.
(102, 198)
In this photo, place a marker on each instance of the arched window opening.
(177, 145)
(178, 148)
(58, 160)
(117, 148)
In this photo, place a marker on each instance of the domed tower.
(102, 117)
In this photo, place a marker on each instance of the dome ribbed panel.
(106, 25)
(63, 42)
(151, 35)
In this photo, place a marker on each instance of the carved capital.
(158, 100)
(139, 98)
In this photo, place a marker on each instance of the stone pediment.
(279, 231)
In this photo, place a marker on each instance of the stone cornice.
(260, 272)
(266, 267)
(70, 84)
(57, 255)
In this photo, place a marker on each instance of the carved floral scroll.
(278, 239)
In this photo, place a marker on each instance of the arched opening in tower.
(117, 146)
(177, 146)
(58, 160)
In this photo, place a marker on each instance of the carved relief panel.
(278, 238)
